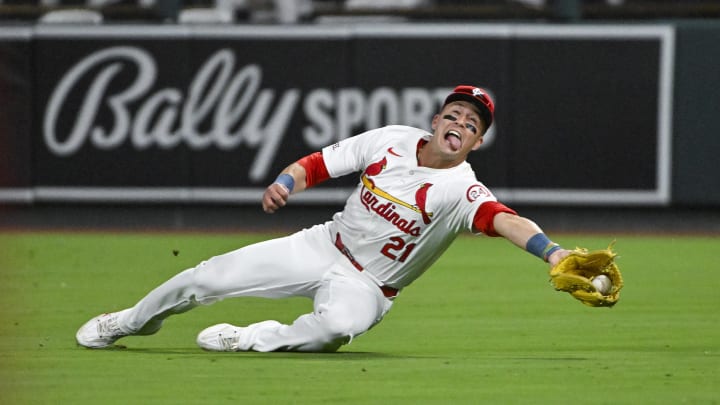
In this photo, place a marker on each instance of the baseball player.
(415, 194)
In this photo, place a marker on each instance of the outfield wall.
(586, 115)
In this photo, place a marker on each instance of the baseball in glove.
(575, 273)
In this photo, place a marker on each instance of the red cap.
(478, 97)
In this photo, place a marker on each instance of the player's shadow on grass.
(341, 356)
(545, 358)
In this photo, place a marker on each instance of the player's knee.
(207, 279)
(334, 345)
(338, 330)
(332, 341)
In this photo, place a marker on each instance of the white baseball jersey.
(397, 222)
(401, 217)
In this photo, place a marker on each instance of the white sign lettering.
(223, 107)
(237, 109)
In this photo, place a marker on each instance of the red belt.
(387, 291)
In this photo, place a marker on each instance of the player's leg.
(345, 306)
(269, 269)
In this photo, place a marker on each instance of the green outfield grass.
(483, 326)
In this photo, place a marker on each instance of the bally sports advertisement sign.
(193, 114)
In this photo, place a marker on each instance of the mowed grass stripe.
(483, 326)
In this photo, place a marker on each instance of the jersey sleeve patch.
(476, 192)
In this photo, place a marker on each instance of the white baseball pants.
(346, 302)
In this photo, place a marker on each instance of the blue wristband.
(541, 246)
(286, 181)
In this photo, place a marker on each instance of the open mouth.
(453, 139)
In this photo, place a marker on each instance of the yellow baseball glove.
(576, 272)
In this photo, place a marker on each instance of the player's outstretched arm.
(526, 234)
(290, 180)
(300, 175)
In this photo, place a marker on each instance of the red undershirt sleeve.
(483, 220)
(315, 170)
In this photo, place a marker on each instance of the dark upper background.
(696, 120)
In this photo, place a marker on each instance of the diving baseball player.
(415, 194)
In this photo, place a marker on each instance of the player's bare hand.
(274, 198)
(557, 256)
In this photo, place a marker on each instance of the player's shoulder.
(463, 182)
(464, 194)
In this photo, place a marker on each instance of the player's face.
(458, 130)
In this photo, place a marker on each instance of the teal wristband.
(541, 246)
(286, 181)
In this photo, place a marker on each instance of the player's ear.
(478, 142)
(435, 121)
